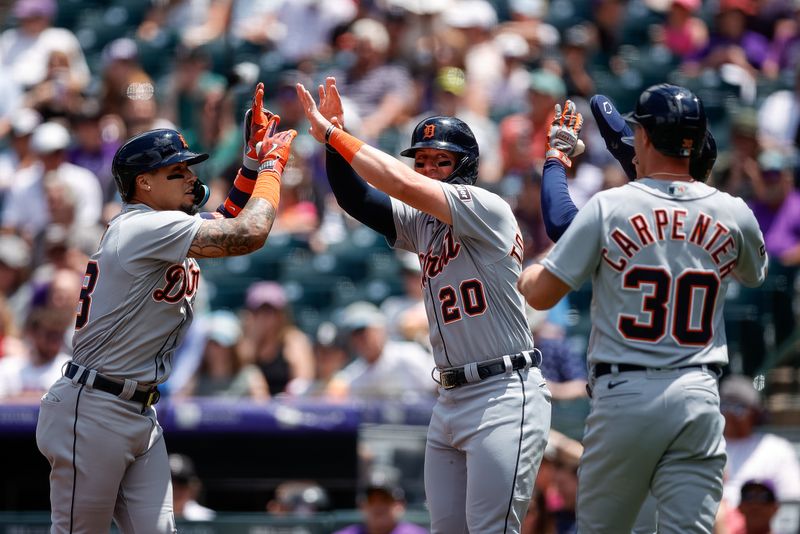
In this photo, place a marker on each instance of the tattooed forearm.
(234, 237)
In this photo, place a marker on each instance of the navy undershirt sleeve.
(361, 201)
(558, 209)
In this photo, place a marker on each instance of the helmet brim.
(187, 156)
(629, 118)
(437, 145)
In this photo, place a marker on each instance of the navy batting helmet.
(700, 167)
(448, 133)
(149, 151)
(674, 119)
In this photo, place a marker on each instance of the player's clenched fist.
(562, 141)
(259, 122)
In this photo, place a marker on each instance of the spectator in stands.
(26, 376)
(15, 267)
(186, 488)
(512, 86)
(59, 94)
(752, 454)
(562, 367)
(528, 211)
(25, 207)
(381, 91)
(382, 369)
(737, 163)
(93, 150)
(784, 54)
(10, 342)
(731, 42)
(316, 20)
(776, 204)
(684, 33)
(382, 506)
(565, 481)
(758, 505)
(10, 102)
(298, 498)
(330, 357)
(122, 77)
(24, 50)
(18, 155)
(576, 50)
(185, 91)
(405, 314)
(779, 117)
(523, 135)
(274, 343)
(222, 371)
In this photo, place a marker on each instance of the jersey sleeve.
(751, 265)
(405, 223)
(483, 218)
(577, 254)
(160, 235)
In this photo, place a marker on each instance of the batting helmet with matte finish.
(149, 151)
(448, 133)
(674, 119)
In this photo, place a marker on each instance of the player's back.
(664, 255)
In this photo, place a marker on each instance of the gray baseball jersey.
(470, 272)
(138, 291)
(107, 456)
(486, 439)
(661, 255)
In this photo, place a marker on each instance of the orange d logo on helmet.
(430, 131)
(183, 141)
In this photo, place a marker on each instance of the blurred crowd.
(81, 76)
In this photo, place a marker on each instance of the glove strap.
(554, 153)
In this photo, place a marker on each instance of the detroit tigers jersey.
(469, 275)
(141, 262)
(661, 255)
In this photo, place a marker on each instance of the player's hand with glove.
(563, 142)
(273, 151)
(257, 123)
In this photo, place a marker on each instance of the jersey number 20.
(85, 302)
(688, 286)
(472, 298)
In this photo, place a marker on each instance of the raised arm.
(354, 195)
(249, 230)
(381, 170)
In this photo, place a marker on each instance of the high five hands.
(329, 113)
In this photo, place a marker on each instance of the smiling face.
(169, 188)
(434, 163)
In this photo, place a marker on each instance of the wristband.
(268, 187)
(554, 153)
(345, 144)
(328, 133)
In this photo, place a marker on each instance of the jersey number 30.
(689, 285)
(85, 302)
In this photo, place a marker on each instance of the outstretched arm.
(379, 169)
(364, 203)
(249, 230)
(558, 209)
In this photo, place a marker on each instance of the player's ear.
(143, 181)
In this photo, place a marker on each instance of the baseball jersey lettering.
(178, 284)
(655, 294)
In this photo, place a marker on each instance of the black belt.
(147, 397)
(457, 376)
(603, 368)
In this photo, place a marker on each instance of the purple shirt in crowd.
(97, 162)
(755, 46)
(781, 228)
(401, 528)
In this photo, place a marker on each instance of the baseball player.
(661, 251)
(97, 424)
(489, 427)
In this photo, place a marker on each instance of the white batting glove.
(563, 142)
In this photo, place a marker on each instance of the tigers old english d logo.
(429, 131)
